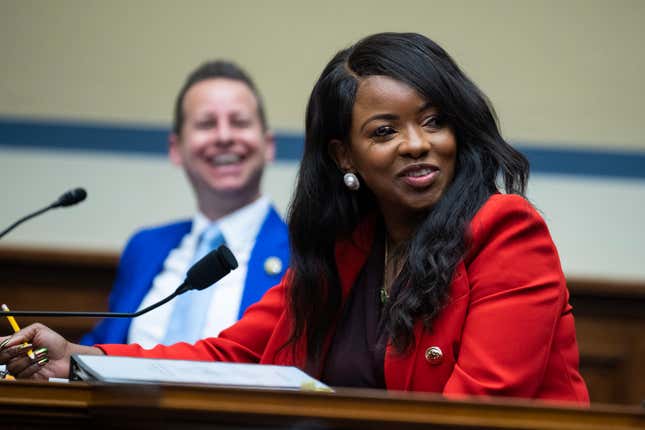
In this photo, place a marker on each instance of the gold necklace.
(392, 266)
(384, 293)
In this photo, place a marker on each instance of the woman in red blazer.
(410, 270)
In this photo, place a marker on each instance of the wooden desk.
(74, 405)
(610, 315)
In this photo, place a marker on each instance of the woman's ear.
(340, 153)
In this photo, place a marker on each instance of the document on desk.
(147, 370)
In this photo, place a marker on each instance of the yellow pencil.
(16, 329)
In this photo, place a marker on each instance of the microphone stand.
(90, 314)
(208, 270)
(69, 198)
(25, 218)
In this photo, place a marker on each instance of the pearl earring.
(351, 181)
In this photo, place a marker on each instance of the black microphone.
(210, 269)
(70, 198)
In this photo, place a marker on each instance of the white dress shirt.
(240, 230)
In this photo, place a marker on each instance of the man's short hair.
(213, 70)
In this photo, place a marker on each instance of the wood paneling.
(610, 325)
(610, 315)
(35, 279)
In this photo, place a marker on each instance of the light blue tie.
(189, 314)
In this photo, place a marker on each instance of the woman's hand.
(51, 353)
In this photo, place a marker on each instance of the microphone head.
(210, 269)
(71, 197)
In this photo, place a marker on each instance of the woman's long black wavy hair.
(323, 210)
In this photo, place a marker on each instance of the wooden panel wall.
(610, 316)
(610, 324)
(32, 279)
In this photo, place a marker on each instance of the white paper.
(129, 369)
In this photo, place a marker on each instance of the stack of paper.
(146, 370)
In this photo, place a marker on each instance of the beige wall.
(563, 73)
(558, 72)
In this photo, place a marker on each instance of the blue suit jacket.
(146, 252)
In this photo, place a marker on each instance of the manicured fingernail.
(40, 350)
(4, 343)
(25, 346)
(43, 361)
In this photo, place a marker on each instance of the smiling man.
(222, 141)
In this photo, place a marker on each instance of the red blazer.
(507, 329)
